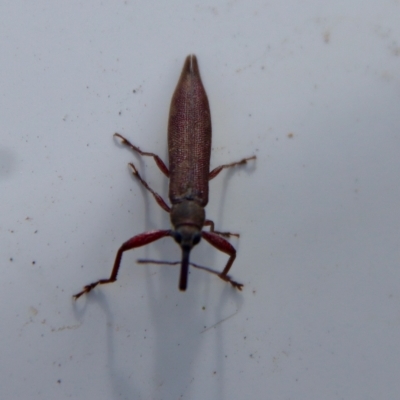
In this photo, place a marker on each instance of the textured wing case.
(189, 137)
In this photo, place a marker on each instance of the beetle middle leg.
(161, 202)
(217, 170)
(157, 159)
(210, 223)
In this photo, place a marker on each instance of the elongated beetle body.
(189, 151)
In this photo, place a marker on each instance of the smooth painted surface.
(311, 88)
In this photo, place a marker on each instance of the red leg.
(210, 223)
(217, 170)
(161, 202)
(223, 245)
(157, 159)
(136, 241)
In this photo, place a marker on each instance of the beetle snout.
(186, 236)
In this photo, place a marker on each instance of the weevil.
(189, 151)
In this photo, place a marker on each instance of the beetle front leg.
(223, 245)
(210, 223)
(136, 241)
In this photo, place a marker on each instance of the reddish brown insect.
(189, 150)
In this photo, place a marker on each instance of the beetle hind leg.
(157, 159)
(217, 170)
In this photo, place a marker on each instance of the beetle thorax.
(188, 212)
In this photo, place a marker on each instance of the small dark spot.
(11, 259)
(33, 262)
(215, 372)
(290, 135)
(396, 51)
(203, 308)
(120, 113)
(59, 381)
(36, 231)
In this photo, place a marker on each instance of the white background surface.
(318, 213)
